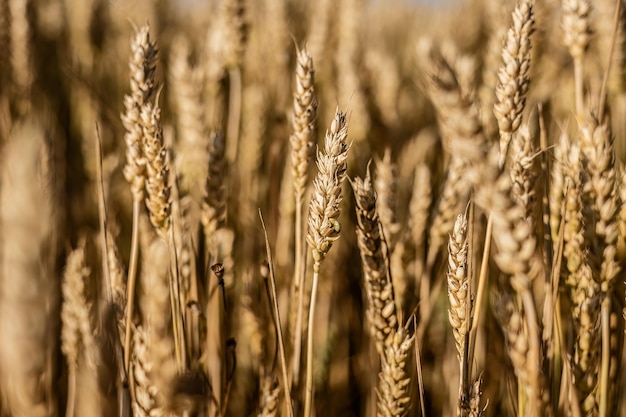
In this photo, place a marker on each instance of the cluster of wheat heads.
(282, 207)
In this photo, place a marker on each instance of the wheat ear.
(185, 82)
(146, 392)
(76, 332)
(518, 342)
(385, 184)
(302, 151)
(270, 391)
(460, 311)
(604, 204)
(584, 291)
(596, 145)
(156, 310)
(419, 209)
(381, 309)
(456, 112)
(524, 172)
(393, 396)
(459, 284)
(557, 184)
(324, 226)
(157, 169)
(142, 64)
(513, 75)
(474, 409)
(213, 216)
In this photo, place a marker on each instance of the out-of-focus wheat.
(27, 282)
(381, 309)
(386, 186)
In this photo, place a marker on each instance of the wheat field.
(341, 208)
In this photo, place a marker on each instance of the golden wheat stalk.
(324, 226)
(302, 150)
(142, 64)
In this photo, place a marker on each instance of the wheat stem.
(482, 285)
(576, 35)
(606, 356)
(534, 352)
(578, 85)
(175, 305)
(299, 273)
(71, 392)
(302, 150)
(276, 311)
(131, 282)
(605, 77)
(308, 396)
